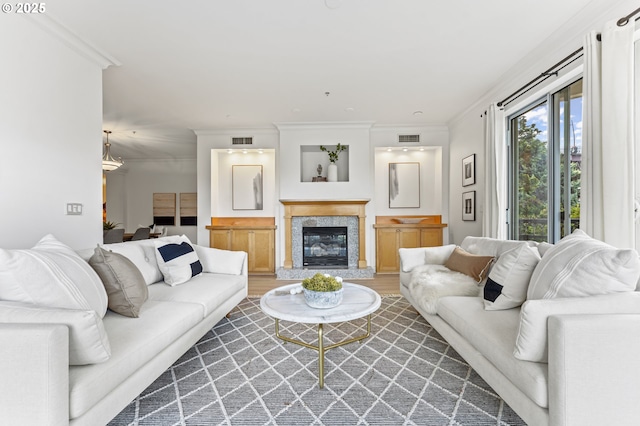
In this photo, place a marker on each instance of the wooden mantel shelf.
(324, 202)
(352, 207)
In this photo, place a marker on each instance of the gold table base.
(321, 348)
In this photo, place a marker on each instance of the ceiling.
(213, 64)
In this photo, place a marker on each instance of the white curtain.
(494, 217)
(608, 166)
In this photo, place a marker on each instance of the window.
(545, 156)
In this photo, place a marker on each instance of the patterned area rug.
(241, 374)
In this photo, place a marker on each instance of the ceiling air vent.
(242, 141)
(409, 138)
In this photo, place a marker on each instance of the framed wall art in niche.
(469, 170)
(469, 206)
(404, 185)
(246, 182)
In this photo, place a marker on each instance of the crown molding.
(325, 125)
(73, 40)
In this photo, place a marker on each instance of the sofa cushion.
(475, 266)
(178, 262)
(220, 261)
(143, 254)
(53, 275)
(135, 342)
(491, 246)
(493, 334)
(508, 280)
(579, 265)
(531, 342)
(200, 291)
(88, 341)
(125, 285)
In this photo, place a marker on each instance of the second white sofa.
(588, 374)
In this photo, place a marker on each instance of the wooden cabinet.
(388, 241)
(392, 236)
(257, 240)
(259, 244)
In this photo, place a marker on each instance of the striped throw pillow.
(178, 262)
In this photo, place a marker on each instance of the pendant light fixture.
(108, 162)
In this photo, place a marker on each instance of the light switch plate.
(74, 209)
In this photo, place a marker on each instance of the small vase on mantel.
(332, 172)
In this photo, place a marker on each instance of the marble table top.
(357, 302)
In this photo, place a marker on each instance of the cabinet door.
(261, 243)
(387, 244)
(220, 239)
(408, 238)
(431, 237)
(240, 242)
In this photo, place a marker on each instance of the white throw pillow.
(88, 342)
(438, 255)
(579, 265)
(508, 280)
(51, 274)
(531, 342)
(177, 261)
(411, 257)
(220, 261)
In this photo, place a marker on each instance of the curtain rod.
(564, 62)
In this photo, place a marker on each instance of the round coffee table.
(358, 301)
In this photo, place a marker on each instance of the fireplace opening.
(324, 246)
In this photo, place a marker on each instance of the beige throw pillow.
(469, 264)
(125, 285)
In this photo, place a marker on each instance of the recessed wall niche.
(311, 156)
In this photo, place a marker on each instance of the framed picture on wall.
(246, 182)
(469, 170)
(404, 185)
(469, 206)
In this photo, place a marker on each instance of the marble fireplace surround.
(311, 208)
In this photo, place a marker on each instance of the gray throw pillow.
(125, 285)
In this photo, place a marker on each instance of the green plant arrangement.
(107, 225)
(333, 155)
(322, 282)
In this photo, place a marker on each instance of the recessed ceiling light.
(417, 112)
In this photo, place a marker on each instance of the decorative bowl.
(323, 299)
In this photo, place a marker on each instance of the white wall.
(51, 138)
(130, 191)
(214, 173)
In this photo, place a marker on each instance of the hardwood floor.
(384, 284)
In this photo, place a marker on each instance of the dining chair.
(141, 234)
(113, 236)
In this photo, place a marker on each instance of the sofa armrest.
(34, 372)
(593, 369)
(219, 261)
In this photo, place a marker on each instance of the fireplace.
(324, 246)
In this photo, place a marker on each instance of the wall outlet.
(74, 209)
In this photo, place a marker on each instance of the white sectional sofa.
(586, 348)
(38, 386)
